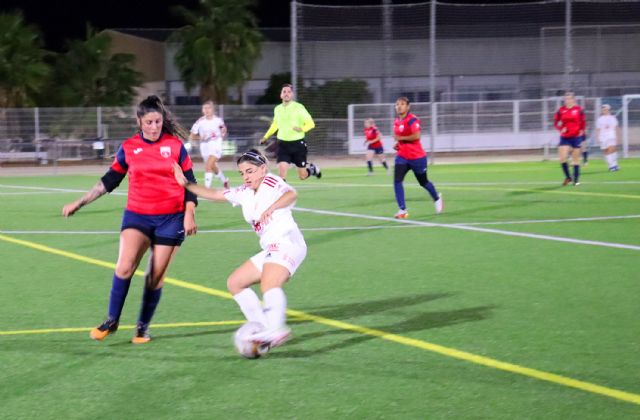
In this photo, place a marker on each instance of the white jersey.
(282, 228)
(607, 125)
(208, 130)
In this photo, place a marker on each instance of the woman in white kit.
(266, 201)
(607, 132)
(210, 130)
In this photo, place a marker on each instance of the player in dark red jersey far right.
(569, 120)
(411, 156)
(158, 212)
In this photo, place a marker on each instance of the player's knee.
(234, 286)
(125, 270)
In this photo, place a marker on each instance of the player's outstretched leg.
(119, 291)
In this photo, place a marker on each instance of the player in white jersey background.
(608, 133)
(266, 201)
(210, 131)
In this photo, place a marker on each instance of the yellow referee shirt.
(294, 114)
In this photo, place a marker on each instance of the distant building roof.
(162, 34)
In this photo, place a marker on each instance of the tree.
(88, 75)
(331, 99)
(272, 92)
(218, 48)
(23, 69)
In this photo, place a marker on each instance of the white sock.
(614, 158)
(250, 306)
(610, 160)
(220, 176)
(275, 306)
(208, 177)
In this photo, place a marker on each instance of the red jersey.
(404, 127)
(570, 121)
(152, 186)
(372, 133)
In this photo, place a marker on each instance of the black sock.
(585, 156)
(119, 290)
(565, 169)
(384, 163)
(370, 166)
(150, 300)
(576, 173)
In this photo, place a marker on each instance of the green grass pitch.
(521, 300)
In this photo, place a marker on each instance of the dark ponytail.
(169, 124)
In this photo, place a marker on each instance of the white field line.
(115, 232)
(526, 222)
(337, 228)
(476, 229)
(429, 224)
(453, 184)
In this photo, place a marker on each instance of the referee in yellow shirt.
(291, 120)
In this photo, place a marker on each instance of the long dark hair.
(169, 124)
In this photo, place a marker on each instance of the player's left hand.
(190, 226)
(266, 216)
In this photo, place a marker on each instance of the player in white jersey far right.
(608, 132)
(266, 201)
(210, 130)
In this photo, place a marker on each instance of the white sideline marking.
(115, 232)
(525, 222)
(468, 227)
(476, 229)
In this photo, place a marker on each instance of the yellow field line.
(527, 190)
(122, 327)
(435, 348)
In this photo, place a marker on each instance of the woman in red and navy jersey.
(373, 141)
(411, 156)
(569, 120)
(158, 213)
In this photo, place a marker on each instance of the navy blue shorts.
(418, 166)
(574, 142)
(377, 150)
(161, 229)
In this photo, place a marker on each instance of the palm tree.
(88, 75)
(23, 69)
(218, 48)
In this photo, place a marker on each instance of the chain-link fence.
(466, 52)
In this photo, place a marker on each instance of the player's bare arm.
(92, 195)
(199, 190)
(285, 200)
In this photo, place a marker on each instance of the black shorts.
(293, 152)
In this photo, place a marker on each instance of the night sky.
(66, 19)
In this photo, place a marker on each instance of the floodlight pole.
(432, 79)
(294, 46)
(568, 53)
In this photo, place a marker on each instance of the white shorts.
(211, 148)
(288, 255)
(606, 143)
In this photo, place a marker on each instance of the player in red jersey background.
(411, 156)
(373, 141)
(157, 216)
(570, 121)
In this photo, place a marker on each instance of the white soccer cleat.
(439, 204)
(272, 338)
(401, 214)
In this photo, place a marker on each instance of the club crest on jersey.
(165, 151)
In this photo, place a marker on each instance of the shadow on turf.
(418, 322)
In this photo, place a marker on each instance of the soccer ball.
(188, 146)
(242, 343)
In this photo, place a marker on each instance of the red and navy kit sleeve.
(187, 167)
(116, 173)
